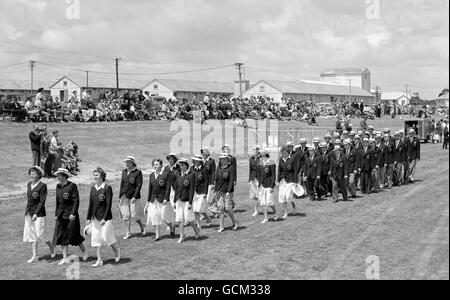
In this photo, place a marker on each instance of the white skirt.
(253, 192)
(129, 210)
(102, 234)
(154, 215)
(200, 203)
(167, 211)
(34, 231)
(266, 197)
(183, 214)
(285, 194)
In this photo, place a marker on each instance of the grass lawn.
(406, 227)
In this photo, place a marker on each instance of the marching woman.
(223, 200)
(210, 166)
(34, 228)
(130, 196)
(99, 217)
(173, 170)
(67, 228)
(201, 184)
(267, 174)
(253, 176)
(287, 177)
(159, 198)
(184, 194)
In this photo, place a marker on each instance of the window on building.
(155, 87)
(262, 89)
(65, 83)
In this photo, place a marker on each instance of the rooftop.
(177, 85)
(344, 71)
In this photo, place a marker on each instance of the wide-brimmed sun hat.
(197, 157)
(38, 170)
(298, 190)
(63, 171)
(173, 155)
(130, 158)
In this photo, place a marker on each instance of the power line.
(13, 65)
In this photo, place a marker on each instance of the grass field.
(406, 227)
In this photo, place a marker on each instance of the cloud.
(286, 39)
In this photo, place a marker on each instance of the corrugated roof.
(13, 84)
(343, 71)
(393, 96)
(302, 87)
(177, 85)
(105, 83)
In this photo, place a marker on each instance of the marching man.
(413, 154)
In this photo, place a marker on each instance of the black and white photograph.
(202, 141)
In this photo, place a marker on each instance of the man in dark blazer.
(338, 173)
(399, 149)
(312, 170)
(389, 146)
(413, 154)
(365, 155)
(353, 166)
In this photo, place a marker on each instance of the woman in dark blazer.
(34, 228)
(67, 227)
(223, 200)
(158, 199)
(99, 217)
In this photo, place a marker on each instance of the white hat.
(336, 135)
(298, 190)
(412, 131)
(183, 160)
(401, 131)
(337, 147)
(264, 151)
(316, 140)
(87, 229)
(327, 136)
(366, 140)
(323, 145)
(256, 147)
(290, 144)
(378, 136)
(130, 158)
(310, 147)
(303, 141)
(224, 155)
(63, 171)
(226, 146)
(338, 142)
(357, 137)
(197, 157)
(345, 132)
(38, 170)
(347, 142)
(372, 141)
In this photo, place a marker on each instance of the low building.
(397, 98)
(313, 91)
(65, 86)
(357, 77)
(187, 89)
(22, 88)
(442, 101)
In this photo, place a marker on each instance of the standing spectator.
(446, 137)
(18, 112)
(46, 162)
(35, 139)
(56, 150)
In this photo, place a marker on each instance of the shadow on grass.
(193, 239)
(123, 261)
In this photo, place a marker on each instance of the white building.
(398, 98)
(317, 92)
(357, 77)
(65, 86)
(187, 89)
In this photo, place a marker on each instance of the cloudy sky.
(400, 41)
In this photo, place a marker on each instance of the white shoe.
(63, 262)
(144, 231)
(264, 221)
(53, 255)
(285, 216)
(221, 229)
(181, 240)
(127, 237)
(117, 259)
(275, 218)
(255, 214)
(99, 263)
(33, 260)
(236, 226)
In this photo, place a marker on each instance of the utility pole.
(377, 93)
(350, 81)
(239, 67)
(117, 74)
(87, 79)
(32, 64)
